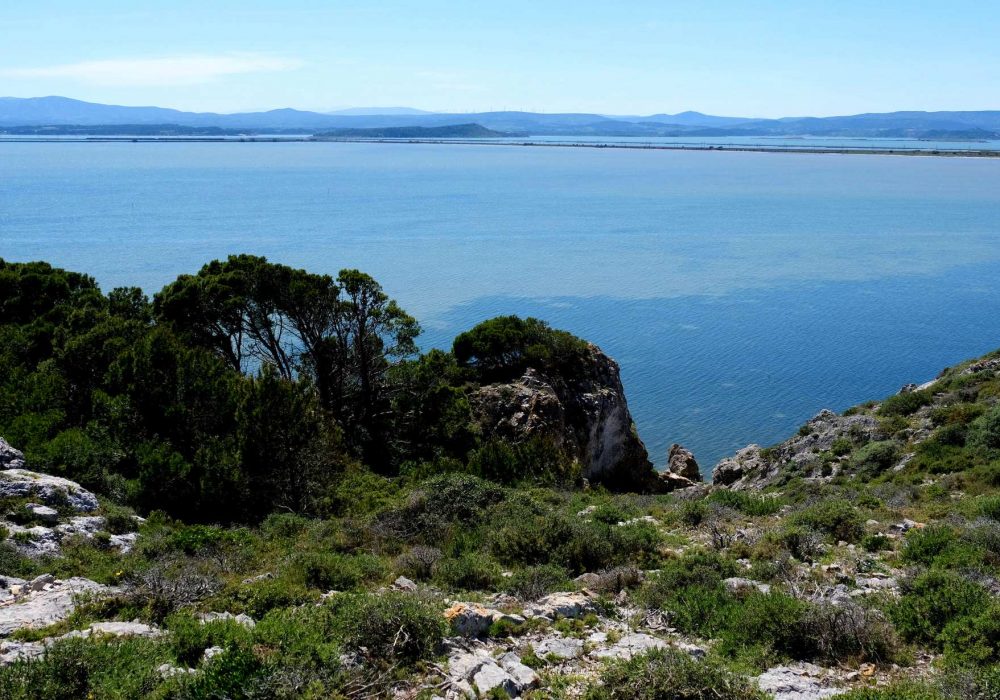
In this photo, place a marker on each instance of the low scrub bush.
(670, 675)
(533, 582)
(875, 457)
(906, 404)
(934, 600)
(750, 504)
(341, 572)
(471, 571)
(389, 626)
(837, 518)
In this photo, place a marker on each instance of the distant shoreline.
(940, 152)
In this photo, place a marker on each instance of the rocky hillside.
(858, 559)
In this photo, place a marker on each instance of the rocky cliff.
(585, 414)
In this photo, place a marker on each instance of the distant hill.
(369, 111)
(63, 111)
(467, 131)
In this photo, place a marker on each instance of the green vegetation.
(293, 455)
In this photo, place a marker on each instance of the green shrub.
(903, 690)
(974, 639)
(750, 504)
(260, 597)
(389, 626)
(189, 637)
(537, 460)
(875, 457)
(984, 433)
(303, 636)
(924, 545)
(119, 520)
(87, 668)
(906, 404)
(471, 571)
(341, 572)
(876, 543)
(670, 675)
(934, 600)
(837, 518)
(533, 582)
(841, 446)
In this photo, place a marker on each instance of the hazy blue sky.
(738, 57)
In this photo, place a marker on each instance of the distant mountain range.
(65, 112)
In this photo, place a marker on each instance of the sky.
(753, 58)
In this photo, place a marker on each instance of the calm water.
(741, 292)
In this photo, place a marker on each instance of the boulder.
(681, 461)
(46, 514)
(9, 457)
(472, 620)
(559, 647)
(558, 605)
(798, 682)
(631, 645)
(738, 585)
(584, 414)
(54, 602)
(674, 482)
(241, 619)
(404, 584)
(53, 490)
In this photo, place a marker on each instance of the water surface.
(741, 292)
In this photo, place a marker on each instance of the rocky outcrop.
(681, 461)
(585, 415)
(9, 457)
(755, 467)
(51, 490)
(43, 602)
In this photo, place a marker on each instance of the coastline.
(938, 152)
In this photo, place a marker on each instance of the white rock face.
(560, 648)
(474, 674)
(557, 605)
(41, 608)
(52, 490)
(798, 682)
(631, 645)
(585, 414)
(9, 457)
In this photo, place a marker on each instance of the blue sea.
(740, 292)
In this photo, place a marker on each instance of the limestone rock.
(559, 647)
(472, 620)
(490, 676)
(557, 605)
(9, 457)
(53, 490)
(241, 619)
(798, 682)
(584, 414)
(524, 677)
(41, 608)
(46, 514)
(631, 645)
(681, 461)
(674, 482)
(404, 584)
(737, 585)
